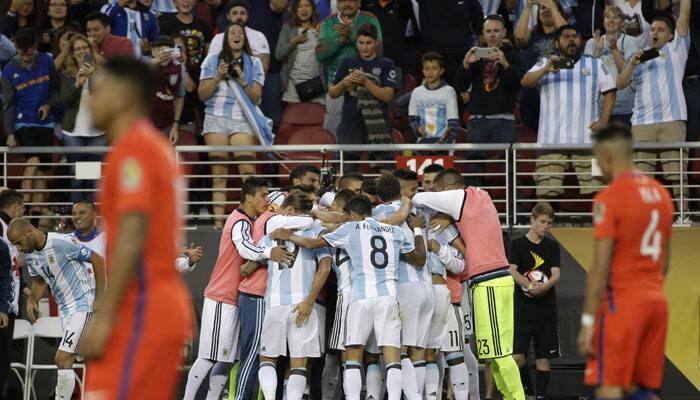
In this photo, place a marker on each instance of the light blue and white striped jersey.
(434, 264)
(341, 266)
(163, 6)
(61, 263)
(374, 249)
(569, 100)
(97, 242)
(289, 285)
(223, 102)
(658, 85)
(406, 272)
(132, 24)
(490, 7)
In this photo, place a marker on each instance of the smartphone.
(483, 52)
(87, 59)
(649, 54)
(564, 63)
(175, 52)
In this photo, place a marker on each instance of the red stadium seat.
(409, 83)
(297, 115)
(299, 136)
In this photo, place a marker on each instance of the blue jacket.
(6, 291)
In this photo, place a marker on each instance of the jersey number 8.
(378, 256)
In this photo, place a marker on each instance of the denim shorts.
(225, 126)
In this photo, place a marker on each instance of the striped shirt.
(490, 7)
(569, 100)
(163, 6)
(374, 249)
(97, 242)
(291, 284)
(436, 262)
(132, 24)
(223, 102)
(406, 272)
(341, 267)
(61, 264)
(658, 85)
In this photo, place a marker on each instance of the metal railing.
(507, 171)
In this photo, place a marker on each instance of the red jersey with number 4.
(637, 213)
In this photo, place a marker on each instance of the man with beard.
(570, 85)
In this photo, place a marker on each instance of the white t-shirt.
(634, 23)
(256, 40)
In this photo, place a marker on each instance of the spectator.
(133, 20)
(368, 82)
(27, 83)
(495, 82)
(231, 85)
(76, 78)
(164, 8)
(325, 8)
(7, 312)
(433, 108)
(337, 41)
(100, 34)
(7, 50)
(58, 18)
(613, 48)
(193, 106)
(570, 112)
(659, 111)
(635, 24)
(20, 15)
(195, 31)
(588, 16)
(296, 48)
(536, 268)
(351, 181)
(449, 28)
(61, 46)
(169, 99)
(393, 16)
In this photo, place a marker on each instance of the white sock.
(65, 384)
(408, 379)
(393, 381)
(441, 366)
(217, 379)
(199, 371)
(473, 368)
(373, 382)
(296, 384)
(419, 367)
(459, 375)
(353, 380)
(267, 376)
(329, 377)
(432, 379)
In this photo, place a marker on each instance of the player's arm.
(597, 279)
(330, 217)
(241, 238)
(518, 277)
(418, 255)
(38, 290)
(304, 308)
(307, 243)
(451, 258)
(449, 202)
(98, 268)
(400, 216)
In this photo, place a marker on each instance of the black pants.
(6, 353)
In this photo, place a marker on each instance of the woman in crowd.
(296, 49)
(231, 87)
(20, 15)
(61, 46)
(57, 19)
(614, 47)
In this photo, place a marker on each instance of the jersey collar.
(88, 237)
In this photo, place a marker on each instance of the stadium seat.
(297, 115)
(303, 136)
(409, 83)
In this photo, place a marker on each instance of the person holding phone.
(169, 99)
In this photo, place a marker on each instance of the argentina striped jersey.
(223, 102)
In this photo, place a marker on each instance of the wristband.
(587, 320)
(418, 231)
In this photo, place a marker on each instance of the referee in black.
(536, 301)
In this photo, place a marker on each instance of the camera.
(233, 74)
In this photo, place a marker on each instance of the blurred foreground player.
(134, 343)
(625, 314)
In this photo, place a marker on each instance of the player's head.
(541, 219)
(21, 234)
(429, 174)
(254, 195)
(84, 216)
(408, 181)
(341, 200)
(388, 188)
(297, 202)
(613, 150)
(369, 189)
(306, 175)
(124, 91)
(11, 203)
(358, 208)
(449, 179)
(352, 181)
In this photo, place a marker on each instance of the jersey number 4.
(651, 239)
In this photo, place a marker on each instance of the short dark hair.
(666, 20)
(343, 197)
(137, 74)
(542, 208)
(350, 176)
(369, 186)
(237, 3)
(163, 40)
(301, 170)
(251, 186)
(495, 17)
(300, 200)
(9, 197)
(360, 205)
(97, 16)
(432, 168)
(388, 187)
(25, 39)
(433, 56)
(368, 30)
(564, 28)
(613, 131)
(86, 202)
(452, 174)
(406, 175)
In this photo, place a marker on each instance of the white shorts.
(218, 335)
(467, 310)
(438, 323)
(321, 316)
(225, 126)
(280, 331)
(74, 326)
(416, 302)
(337, 336)
(454, 340)
(378, 315)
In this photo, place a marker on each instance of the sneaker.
(685, 221)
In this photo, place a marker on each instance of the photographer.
(169, 98)
(231, 86)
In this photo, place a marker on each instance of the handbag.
(310, 89)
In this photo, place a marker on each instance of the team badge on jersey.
(131, 175)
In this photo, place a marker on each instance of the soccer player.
(374, 250)
(145, 317)
(475, 216)
(306, 175)
(58, 261)
(622, 332)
